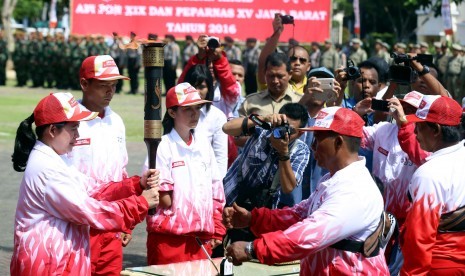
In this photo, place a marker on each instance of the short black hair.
(380, 65)
(295, 111)
(276, 60)
(235, 62)
(353, 143)
(197, 75)
(372, 64)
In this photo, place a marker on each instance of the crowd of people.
(293, 170)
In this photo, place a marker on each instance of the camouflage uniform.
(21, 60)
(50, 61)
(3, 60)
(62, 55)
(35, 53)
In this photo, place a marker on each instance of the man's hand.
(202, 45)
(152, 197)
(125, 239)
(150, 178)
(275, 119)
(236, 252)
(280, 145)
(277, 23)
(363, 107)
(214, 243)
(397, 111)
(236, 217)
(415, 64)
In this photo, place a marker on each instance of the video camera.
(287, 19)
(405, 74)
(279, 132)
(353, 72)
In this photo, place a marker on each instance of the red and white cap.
(413, 98)
(437, 109)
(101, 68)
(60, 107)
(340, 120)
(183, 94)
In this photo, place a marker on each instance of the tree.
(392, 16)
(7, 12)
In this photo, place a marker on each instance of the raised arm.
(269, 47)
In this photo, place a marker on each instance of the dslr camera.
(213, 42)
(279, 132)
(353, 72)
(287, 19)
(404, 74)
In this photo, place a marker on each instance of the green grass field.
(16, 104)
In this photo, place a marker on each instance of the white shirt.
(391, 165)
(190, 171)
(100, 150)
(210, 126)
(54, 213)
(346, 205)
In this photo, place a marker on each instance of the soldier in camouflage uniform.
(78, 54)
(35, 53)
(20, 58)
(102, 46)
(62, 55)
(455, 66)
(92, 47)
(381, 51)
(3, 58)
(50, 62)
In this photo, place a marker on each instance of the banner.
(357, 18)
(239, 19)
(446, 18)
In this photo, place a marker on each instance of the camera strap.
(258, 122)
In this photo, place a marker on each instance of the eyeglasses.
(301, 59)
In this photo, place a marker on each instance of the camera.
(287, 19)
(353, 72)
(404, 74)
(279, 132)
(405, 58)
(213, 42)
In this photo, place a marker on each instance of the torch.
(153, 61)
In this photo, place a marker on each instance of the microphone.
(199, 242)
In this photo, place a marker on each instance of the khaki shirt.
(262, 103)
(454, 66)
(442, 63)
(358, 56)
(293, 85)
(330, 59)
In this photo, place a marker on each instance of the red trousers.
(106, 253)
(167, 248)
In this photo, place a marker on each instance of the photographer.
(269, 170)
(298, 56)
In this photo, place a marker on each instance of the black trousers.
(169, 75)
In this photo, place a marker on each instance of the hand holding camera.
(209, 46)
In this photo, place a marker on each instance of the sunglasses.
(302, 60)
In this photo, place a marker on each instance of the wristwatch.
(249, 251)
(284, 157)
(425, 71)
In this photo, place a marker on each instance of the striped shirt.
(257, 165)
